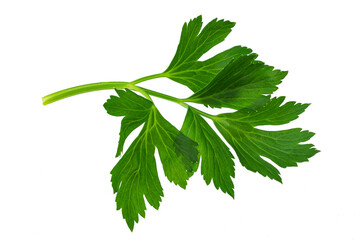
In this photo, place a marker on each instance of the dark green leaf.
(252, 144)
(216, 159)
(178, 153)
(136, 110)
(135, 175)
(186, 69)
(240, 84)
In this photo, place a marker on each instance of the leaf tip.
(231, 193)
(130, 224)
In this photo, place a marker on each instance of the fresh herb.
(232, 79)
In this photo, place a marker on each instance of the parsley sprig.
(231, 79)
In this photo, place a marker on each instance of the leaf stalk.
(91, 87)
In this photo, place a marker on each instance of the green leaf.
(216, 159)
(240, 84)
(178, 153)
(135, 175)
(252, 144)
(136, 110)
(186, 69)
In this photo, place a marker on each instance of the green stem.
(176, 100)
(143, 79)
(164, 96)
(140, 90)
(203, 113)
(69, 92)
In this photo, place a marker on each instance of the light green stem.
(176, 100)
(69, 92)
(164, 96)
(141, 90)
(143, 79)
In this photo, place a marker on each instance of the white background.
(55, 160)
